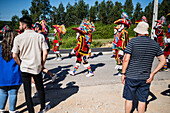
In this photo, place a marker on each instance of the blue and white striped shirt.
(142, 50)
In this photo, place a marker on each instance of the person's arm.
(45, 53)
(15, 51)
(15, 56)
(124, 66)
(44, 50)
(162, 61)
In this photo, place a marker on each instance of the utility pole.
(155, 16)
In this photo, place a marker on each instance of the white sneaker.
(13, 111)
(59, 59)
(90, 75)
(54, 77)
(71, 73)
(2, 111)
(166, 70)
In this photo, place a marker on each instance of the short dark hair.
(39, 26)
(27, 20)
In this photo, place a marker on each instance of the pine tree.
(128, 7)
(60, 14)
(102, 12)
(81, 11)
(24, 12)
(40, 9)
(137, 13)
(117, 10)
(14, 22)
(93, 13)
(149, 12)
(70, 15)
(164, 8)
(109, 11)
(53, 15)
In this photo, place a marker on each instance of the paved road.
(98, 94)
(102, 66)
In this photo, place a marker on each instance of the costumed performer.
(123, 39)
(167, 47)
(88, 27)
(59, 32)
(81, 50)
(159, 32)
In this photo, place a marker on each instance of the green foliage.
(40, 10)
(102, 12)
(130, 31)
(164, 8)
(148, 12)
(69, 42)
(128, 7)
(60, 17)
(137, 13)
(24, 12)
(117, 10)
(14, 22)
(103, 31)
(102, 35)
(106, 12)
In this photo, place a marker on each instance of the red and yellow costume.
(57, 42)
(167, 47)
(121, 40)
(89, 28)
(81, 50)
(59, 32)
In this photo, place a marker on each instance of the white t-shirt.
(30, 45)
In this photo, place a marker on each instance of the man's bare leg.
(128, 106)
(141, 107)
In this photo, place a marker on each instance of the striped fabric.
(142, 50)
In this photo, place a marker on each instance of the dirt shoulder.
(100, 99)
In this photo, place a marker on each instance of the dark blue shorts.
(138, 89)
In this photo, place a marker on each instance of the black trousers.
(26, 79)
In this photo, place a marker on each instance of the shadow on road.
(55, 94)
(166, 92)
(66, 57)
(51, 58)
(135, 102)
(96, 55)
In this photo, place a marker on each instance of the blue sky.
(9, 8)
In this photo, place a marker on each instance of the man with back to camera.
(31, 46)
(137, 64)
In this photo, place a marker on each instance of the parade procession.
(83, 56)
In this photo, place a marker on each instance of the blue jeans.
(10, 91)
